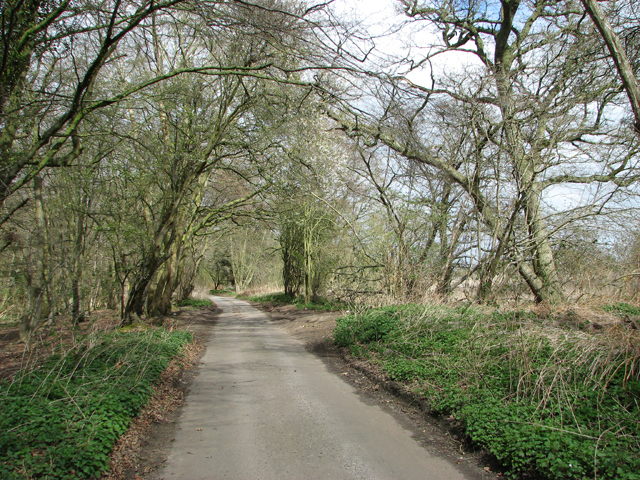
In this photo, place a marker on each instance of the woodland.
(482, 153)
(490, 154)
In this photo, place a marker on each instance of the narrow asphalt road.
(262, 407)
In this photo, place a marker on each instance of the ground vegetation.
(475, 162)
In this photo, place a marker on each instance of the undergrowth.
(545, 400)
(61, 420)
(279, 299)
(622, 309)
(195, 302)
(222, 291)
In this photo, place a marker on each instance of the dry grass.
(55, 335)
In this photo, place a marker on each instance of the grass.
(61, 420)
(550, 401)
(195, 302)
(622, 309)
(280, 299)
(222, 291)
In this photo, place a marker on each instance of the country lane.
(263, 408)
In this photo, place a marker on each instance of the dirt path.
(288, 415)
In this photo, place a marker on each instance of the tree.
(201, 143)
(305, 229)
(37, 273)
(51, 56)
(618, 53)
(424, 218)
(526, 112)
(291, 250)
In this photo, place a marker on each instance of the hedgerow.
(279, 299)
(195, 302)
(61, 420)
(545, 400)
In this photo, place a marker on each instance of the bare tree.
(423, 214)
(618, 53)
(529, 111)
(51, 55)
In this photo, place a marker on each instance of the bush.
(222, 291)
(62, 420)
(622, 308)
(545, 401)
(279, 299)
(275, 299)
(369, 326)
(195, 302)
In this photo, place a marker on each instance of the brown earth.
(53, 335)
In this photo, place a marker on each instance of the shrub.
(622, 308)
(62, 420)
(546, 401)
(195, 302)
(370, 325)
(279, 299)
(222, 291)
(274, 299)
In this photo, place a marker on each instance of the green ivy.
(535, 404)
(280, 299)
(370, 326)
(62, 420)
(622, 308)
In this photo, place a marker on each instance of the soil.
(54, 334)
(140, 455)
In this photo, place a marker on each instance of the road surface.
(263, 408)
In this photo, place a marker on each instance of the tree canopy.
(479, 149)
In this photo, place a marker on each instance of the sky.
(380, 17)
(377, 17)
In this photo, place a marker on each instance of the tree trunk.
(162, 249)
(546, 286)
(308, 272)
(37, 278)
(619, 56)
(160, 305)
(76, 313)
(544, 264)
(186, 275)
(138, 292)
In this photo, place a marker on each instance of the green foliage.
(195, 302)
(275, 299)
(222, 291)
(544, 400)
(622, 308)
(321, 304)
(280, 299)
(62, 420)
(306, 229)
(370, 326)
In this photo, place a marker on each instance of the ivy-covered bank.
(557, 401)
(61, 421)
